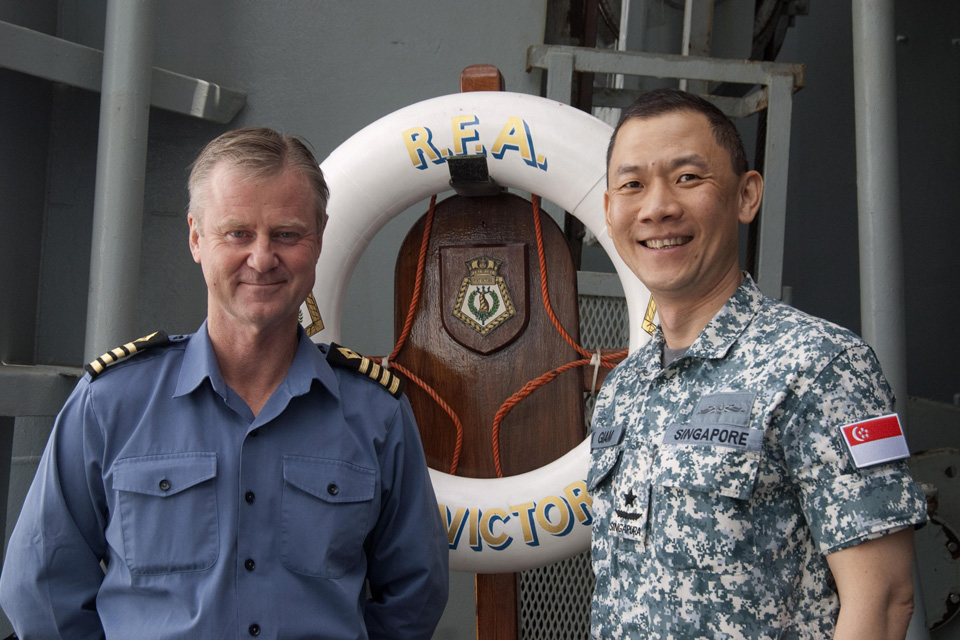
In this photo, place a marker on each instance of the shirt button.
(254, 434)
(249, 564)
(333, 489)
(249, 497)
(254, 629)
(164, 485)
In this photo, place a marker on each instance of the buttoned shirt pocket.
(168, 512)
(701, 517)
(603, 461)
(601, 464)
(326, 510)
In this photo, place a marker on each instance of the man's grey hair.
(258, 153)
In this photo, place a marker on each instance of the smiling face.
(673, 203)
(258, 243)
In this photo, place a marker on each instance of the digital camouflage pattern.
(731, 480)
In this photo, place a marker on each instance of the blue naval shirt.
(213, 523)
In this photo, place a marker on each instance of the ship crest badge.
(483, 302)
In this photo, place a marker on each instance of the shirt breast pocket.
(168, 512)
(701, 513)
(601, 464)
(325, 515)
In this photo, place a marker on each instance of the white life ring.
(534, 145)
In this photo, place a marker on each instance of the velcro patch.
(732, 408)
(713, 435)
(608, 437)
(875, 441)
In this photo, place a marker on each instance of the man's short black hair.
(662, 101)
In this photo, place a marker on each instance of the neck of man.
(253, 360)
(682, 319)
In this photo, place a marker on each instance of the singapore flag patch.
(875, 441)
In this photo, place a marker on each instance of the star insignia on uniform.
(630, 496)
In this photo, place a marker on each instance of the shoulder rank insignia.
(98, 366)
(348, 359)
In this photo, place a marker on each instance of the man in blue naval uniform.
(233, 483)
(728, 503)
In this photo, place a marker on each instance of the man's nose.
(262, 256)
(659, 203)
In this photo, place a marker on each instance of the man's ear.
(606, 209)
(750, 195)
(194, 238)
(323, 228)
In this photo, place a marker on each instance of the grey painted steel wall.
(821, 253)
(326, 68)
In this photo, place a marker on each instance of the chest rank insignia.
(483, 302)
(98, 366)
(348, 359)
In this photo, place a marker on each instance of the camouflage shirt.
(720, 481)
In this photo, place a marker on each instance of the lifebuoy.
(531, 144)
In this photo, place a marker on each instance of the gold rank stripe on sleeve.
(348, 359)
(98, 366)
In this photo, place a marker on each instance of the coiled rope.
(608, 360)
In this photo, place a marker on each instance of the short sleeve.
(844, 505)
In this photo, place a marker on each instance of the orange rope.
(607, 361)
(515, 399)
(418, 283)
(443, 405)
(541, 255)
(408, 325)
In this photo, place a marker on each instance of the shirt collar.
(309, 364)
(200, 363)
(720, 333)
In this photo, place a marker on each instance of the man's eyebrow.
(229, 223)
(292, 223)
(692, 160)
(626, 168)
(236, 223)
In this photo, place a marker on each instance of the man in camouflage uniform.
(727, 503)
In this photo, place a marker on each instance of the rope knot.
(595, 362)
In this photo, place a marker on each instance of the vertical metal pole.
(697, 34)
(776, 161)
(560, 76)
(878, 204)
(6, 462)
(878, 188)
(697, 28)
(121, 165)
(633, 34)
